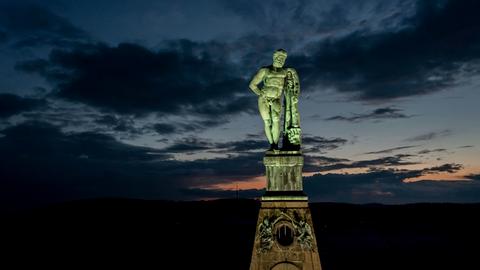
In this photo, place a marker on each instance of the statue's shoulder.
(264, 69)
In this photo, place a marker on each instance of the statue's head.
(279, 57)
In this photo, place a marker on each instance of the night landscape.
(135, 134)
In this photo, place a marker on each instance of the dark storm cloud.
(450, 168)
(387, 186)
(475, 177)
(189, 145)
(379, 186)
(12, 104)
(325, 160)
(224, 170)
(163, 128)
(429, 53)
(386, 52)
(318, 144)
(312, 144)
(397, 160)
(49, 139)
(430, 136)
(429, 151)
(377, 114)
(67, 166)
(30, 25)
(39, 66)
(323, 164)
(243, 146)
(301, 19)
(193, 144)
(391, 150)
(466, 146)
(116, 123)
(421, 55)
(181, 127)
(131, 79)
(317, 163)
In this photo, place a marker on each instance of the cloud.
(317, 163)
(131, 79)
(430, 136)
(318, 144)
(376, 186)
(163, 128)
(115, 123)
(397, 160)
(189, 145)
(68, 166)
(11, 104)
(450, 168)
(49, 139)
(416, 54)
(179, 127)
(208, 79)
(391, 150)
(312, 144)
(466, 146)
(297, 21)
(243, 145)
(29, 25)
(193, 144)
(387, 186)
(475, 177)
(400, 55)
(428, 151)
(431, 51)
(377, 114)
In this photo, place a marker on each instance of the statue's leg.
(264, 109)
(276, 107)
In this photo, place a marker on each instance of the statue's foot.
(273, 147)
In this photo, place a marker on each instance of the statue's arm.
(296, 82)
(256, 81)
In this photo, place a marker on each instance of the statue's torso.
(273, 82)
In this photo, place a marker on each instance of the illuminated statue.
(285, 237)
(276, 81)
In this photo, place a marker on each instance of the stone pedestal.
(285, 238)
(283, 170)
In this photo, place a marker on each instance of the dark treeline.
(219, 234)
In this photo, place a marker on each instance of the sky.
(150, 99)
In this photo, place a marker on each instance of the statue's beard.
(277, 65)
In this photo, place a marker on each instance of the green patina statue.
(278, 80)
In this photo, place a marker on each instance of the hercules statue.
(276, 81)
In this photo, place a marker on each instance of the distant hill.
(219, 234)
